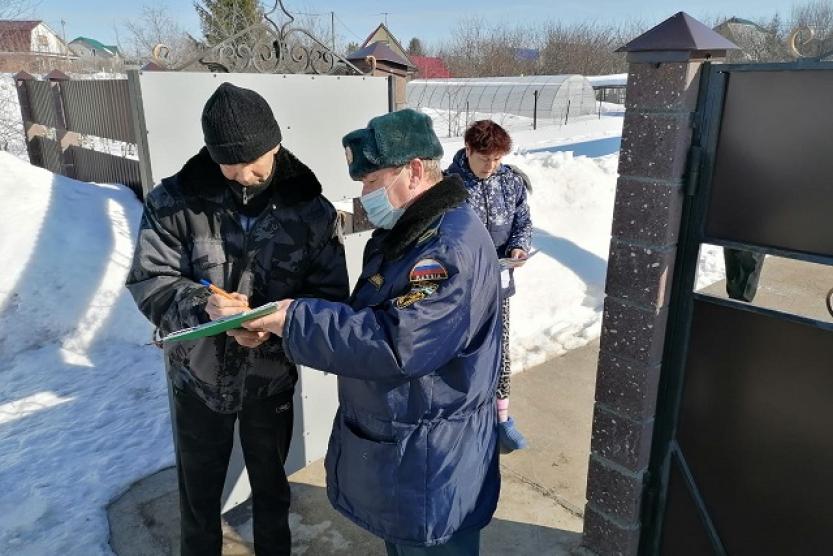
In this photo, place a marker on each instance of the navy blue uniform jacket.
(412, 457)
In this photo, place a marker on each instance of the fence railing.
(58, 112)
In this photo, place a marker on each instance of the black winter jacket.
(191, 230)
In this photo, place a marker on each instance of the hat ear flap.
(361, 156)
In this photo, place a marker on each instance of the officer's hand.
(273, 323)
(219, 306)
(518, 254)
(249, 338)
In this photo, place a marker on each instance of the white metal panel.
(314, 113)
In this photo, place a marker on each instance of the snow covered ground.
(83, 403)
(11, 125)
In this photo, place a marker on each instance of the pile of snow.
(711, 267)
(11, 122)
(83, 402)
(560, 291)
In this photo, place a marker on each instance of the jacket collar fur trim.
(295, 182)
(422, 214)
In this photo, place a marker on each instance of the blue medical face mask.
(380, 211)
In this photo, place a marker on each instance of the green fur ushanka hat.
(391, 140)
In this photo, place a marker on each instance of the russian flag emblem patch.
(428, 270)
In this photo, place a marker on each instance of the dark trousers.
(461, 544)
(204, 441)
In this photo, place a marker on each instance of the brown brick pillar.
(661, 98)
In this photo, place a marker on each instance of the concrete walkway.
(541, 502)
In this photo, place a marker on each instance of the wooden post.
(31, 130)
(63, 136)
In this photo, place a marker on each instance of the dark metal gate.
(742, 461)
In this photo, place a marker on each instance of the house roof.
(680, 32)
(737, 21)
(16, 35)
(96, 44)
(384, 27)
(741, 21)
(430, 67)
(382, 52)
(18, 25)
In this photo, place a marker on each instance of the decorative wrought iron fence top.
(267, 47)
(804, 44)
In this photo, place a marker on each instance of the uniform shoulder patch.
(418, 292)
(377, 280)
(427, 270)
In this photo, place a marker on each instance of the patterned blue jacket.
(500, 202)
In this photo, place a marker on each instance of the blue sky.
(431, 20)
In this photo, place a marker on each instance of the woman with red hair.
(497, 193)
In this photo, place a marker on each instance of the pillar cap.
(680, 33)
(57, 75)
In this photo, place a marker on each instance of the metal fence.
(82, 129)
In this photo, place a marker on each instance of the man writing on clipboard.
(246, 215)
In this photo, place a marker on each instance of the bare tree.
(156, 26)
(11, 123)
(16, 9)
(586, 48)
(480, 50)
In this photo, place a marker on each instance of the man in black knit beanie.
(249, 217)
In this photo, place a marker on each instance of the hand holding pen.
(222, 304)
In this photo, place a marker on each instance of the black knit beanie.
(238, 125)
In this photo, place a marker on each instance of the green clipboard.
(220, 325)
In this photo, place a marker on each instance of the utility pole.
(386, 14)
(64, 36)
(333, 30)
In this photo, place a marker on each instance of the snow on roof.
(616, 79)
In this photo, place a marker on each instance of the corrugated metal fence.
(58, 111)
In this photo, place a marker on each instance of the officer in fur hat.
(413, 454)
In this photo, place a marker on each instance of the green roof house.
(85, 46)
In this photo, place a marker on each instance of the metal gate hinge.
(695, 156)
